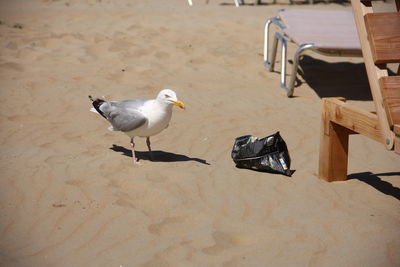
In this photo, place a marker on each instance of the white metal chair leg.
(237, 4)
(295, 67)
(274, 51)
(267, 62)
(266, 44)
(280, 37)
(290, 88)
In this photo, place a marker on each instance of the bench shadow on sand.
(339, 79)
(158, 155)
(375, 181)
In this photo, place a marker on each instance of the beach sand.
(70, 195)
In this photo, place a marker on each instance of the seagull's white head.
(169, 97)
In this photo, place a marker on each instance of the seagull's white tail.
(93, 110)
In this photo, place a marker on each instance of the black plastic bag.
(266, 154)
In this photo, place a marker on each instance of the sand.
(70, 195)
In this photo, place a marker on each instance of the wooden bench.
(379, 35)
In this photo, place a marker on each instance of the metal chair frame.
(269, 63)
(241, 2)
(237, 2)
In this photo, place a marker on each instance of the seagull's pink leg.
(149, 147)
(135, 161)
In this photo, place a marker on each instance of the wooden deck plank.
(384, 36)
(390, 87)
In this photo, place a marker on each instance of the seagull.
(143, 118)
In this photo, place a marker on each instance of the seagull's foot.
(135, 159)
(136, 162)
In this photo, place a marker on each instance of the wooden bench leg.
(338, 121)
(334, 145)
(333, 155)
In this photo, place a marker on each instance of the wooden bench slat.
(396, 130)
(384, 36)
(390, 87)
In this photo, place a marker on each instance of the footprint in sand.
(162, 55)
(120, 45)
(139, 52)
(12, 46)
(158, 228)
(124, 199)
(223, 241)
(12, 66)
(12, 25)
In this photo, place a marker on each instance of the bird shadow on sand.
(158, 155)
(375, 181)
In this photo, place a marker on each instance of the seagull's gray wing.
(124, 115)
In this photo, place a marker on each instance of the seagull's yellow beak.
(179, 104)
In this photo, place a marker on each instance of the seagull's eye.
(167, 96)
